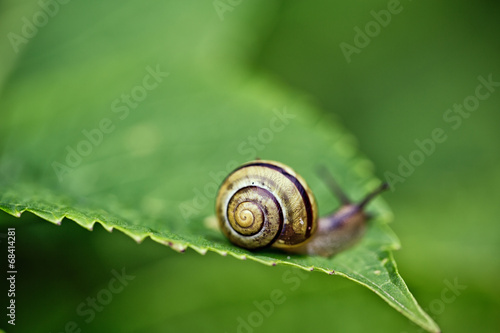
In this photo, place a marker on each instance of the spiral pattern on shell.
(265, 203)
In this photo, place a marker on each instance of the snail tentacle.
(266, 204)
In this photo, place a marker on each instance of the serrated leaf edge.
(180, 247)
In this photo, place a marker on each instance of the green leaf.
(130, 114)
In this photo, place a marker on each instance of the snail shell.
(265, 203)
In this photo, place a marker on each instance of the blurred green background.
(391, 93)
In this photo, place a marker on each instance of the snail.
(267, 204)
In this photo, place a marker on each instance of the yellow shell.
(265, 203)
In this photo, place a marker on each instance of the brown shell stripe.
(298, 185)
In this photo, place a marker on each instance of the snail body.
(267, 204)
